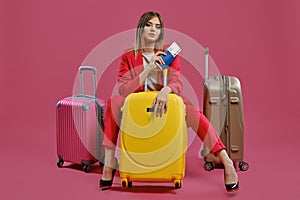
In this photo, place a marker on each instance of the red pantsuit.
(128, 78)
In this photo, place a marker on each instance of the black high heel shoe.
(106, 184)
(232, 187)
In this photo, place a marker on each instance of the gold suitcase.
(223, 106)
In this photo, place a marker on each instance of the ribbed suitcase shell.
(153, 149)
(223, 106)
(79, 123)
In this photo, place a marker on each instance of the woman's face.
(151, 30)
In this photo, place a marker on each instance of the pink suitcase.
(79, 127)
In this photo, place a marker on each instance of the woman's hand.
(153, 67)
(157, 58)
(160, 103)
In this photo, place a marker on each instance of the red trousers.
(194, 119)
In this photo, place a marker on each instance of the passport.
(171, 52)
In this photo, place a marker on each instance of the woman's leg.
(201, 125)
(230, 175)
(110, 163)
(112, 118)
(203, 128)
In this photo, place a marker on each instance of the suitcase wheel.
(243, 166)
(208, 166)
(126, 183)
(129, 184)
(86, 168)
(101, 164)
(177, 184)
(60, 163)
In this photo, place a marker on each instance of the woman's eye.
(156, 26)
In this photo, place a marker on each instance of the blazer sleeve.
(174, 80)
(128, 80)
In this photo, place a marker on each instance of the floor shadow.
(95, 168)
(146, 189)
(231, 194)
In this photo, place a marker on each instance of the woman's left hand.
(160, 103)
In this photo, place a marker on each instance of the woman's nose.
(152, 27)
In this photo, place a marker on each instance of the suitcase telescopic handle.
(165, 74)
(206, 63)
(165, 78)
(88, 68)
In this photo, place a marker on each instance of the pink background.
(44, 42)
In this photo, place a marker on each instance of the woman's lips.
(152, 34)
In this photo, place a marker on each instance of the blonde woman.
(137, 65)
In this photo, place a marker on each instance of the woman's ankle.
(107, 173)
(110, 160)
(224, 158)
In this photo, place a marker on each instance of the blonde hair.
(138, 45)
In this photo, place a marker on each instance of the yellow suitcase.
(153, 149)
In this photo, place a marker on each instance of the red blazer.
(131, 67)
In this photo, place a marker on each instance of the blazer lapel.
(138, 65)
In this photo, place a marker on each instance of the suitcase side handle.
(88, 68)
